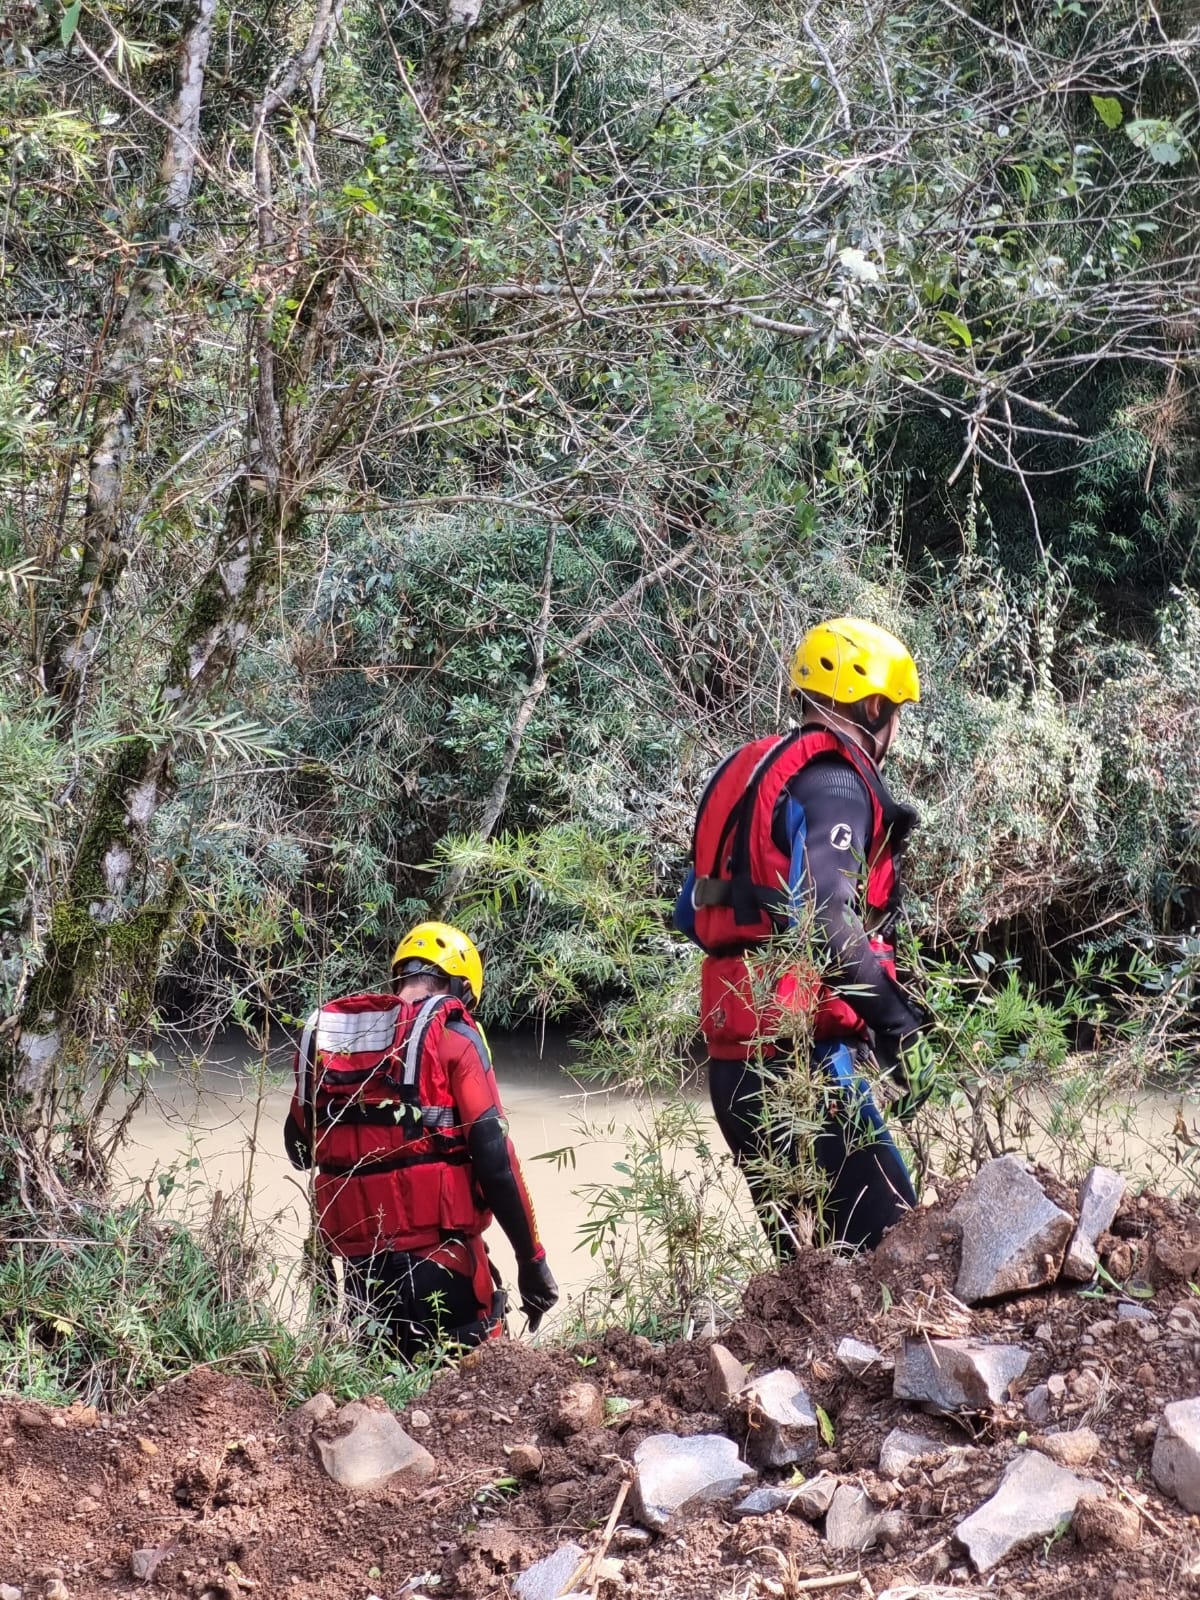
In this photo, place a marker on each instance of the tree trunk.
(123, 382)
(102, 947)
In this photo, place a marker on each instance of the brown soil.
(209, 1473)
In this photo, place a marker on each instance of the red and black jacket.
(741, 895)
(396, 1106)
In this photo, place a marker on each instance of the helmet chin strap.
(853, 722)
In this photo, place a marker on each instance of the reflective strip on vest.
(306, 1039)
(439, 1117)
(348, 1033)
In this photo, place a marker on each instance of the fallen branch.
(592, 1571)
(1138, 1502)
(832, 1580)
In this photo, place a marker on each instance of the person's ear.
(873, 709)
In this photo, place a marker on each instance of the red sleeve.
(469, 1065)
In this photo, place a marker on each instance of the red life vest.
(393, 1170)
(741, 894)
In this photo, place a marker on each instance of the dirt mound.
(206, 1489)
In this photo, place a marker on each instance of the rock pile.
(858, 1418)
(1013, 1239)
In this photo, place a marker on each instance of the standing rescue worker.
(800, 829)
(397, 1107)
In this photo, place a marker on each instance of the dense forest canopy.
(424, 432)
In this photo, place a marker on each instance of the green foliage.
(117, 1302)
(668, 1230)
(604, 360)
(1009, 1075)
(590, 924)
(32, 767)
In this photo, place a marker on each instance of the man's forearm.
(501, 1185)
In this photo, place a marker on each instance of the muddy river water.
(214, 1127)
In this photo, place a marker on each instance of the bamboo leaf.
(70, 21)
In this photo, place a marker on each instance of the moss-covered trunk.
(97, 939)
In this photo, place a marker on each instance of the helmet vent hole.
(860, 669)
(827, 664)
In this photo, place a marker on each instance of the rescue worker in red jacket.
(801, 829)
(397, 1107)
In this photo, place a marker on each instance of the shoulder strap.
(419, 1032)
(747, 905)
(704, 799)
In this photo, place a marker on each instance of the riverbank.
(209, 1130)
(214, 1490)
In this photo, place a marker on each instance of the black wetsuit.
(823, 824)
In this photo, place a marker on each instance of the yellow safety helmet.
(846, 660)
(437, 945)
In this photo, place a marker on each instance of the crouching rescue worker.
(800, 829)
(397, 1107)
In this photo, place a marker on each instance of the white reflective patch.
(349, 1032)
(841, 836)
(304, 1058)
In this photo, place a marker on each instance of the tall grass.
(111, 1302)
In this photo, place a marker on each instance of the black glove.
(537, 1288)
(907, 1059)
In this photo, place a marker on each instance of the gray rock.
(1101, 1194)
(632, 1539)
(810, 1500)
(672, 1475)
(1013, 1237)
(901, 1450)
(814, 1498)
(143, 1564)
(781, 1423)
(9, 1591)
(727, 1377)
(1134, 1311)
(364, 1449)
(761, 1502)
(1038, 1406)
(957, 1374)
(1034, 1497)
(1175, 1464)
(317, 1408)
(856, 1522)
(553, 1575)
(858, 1358)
